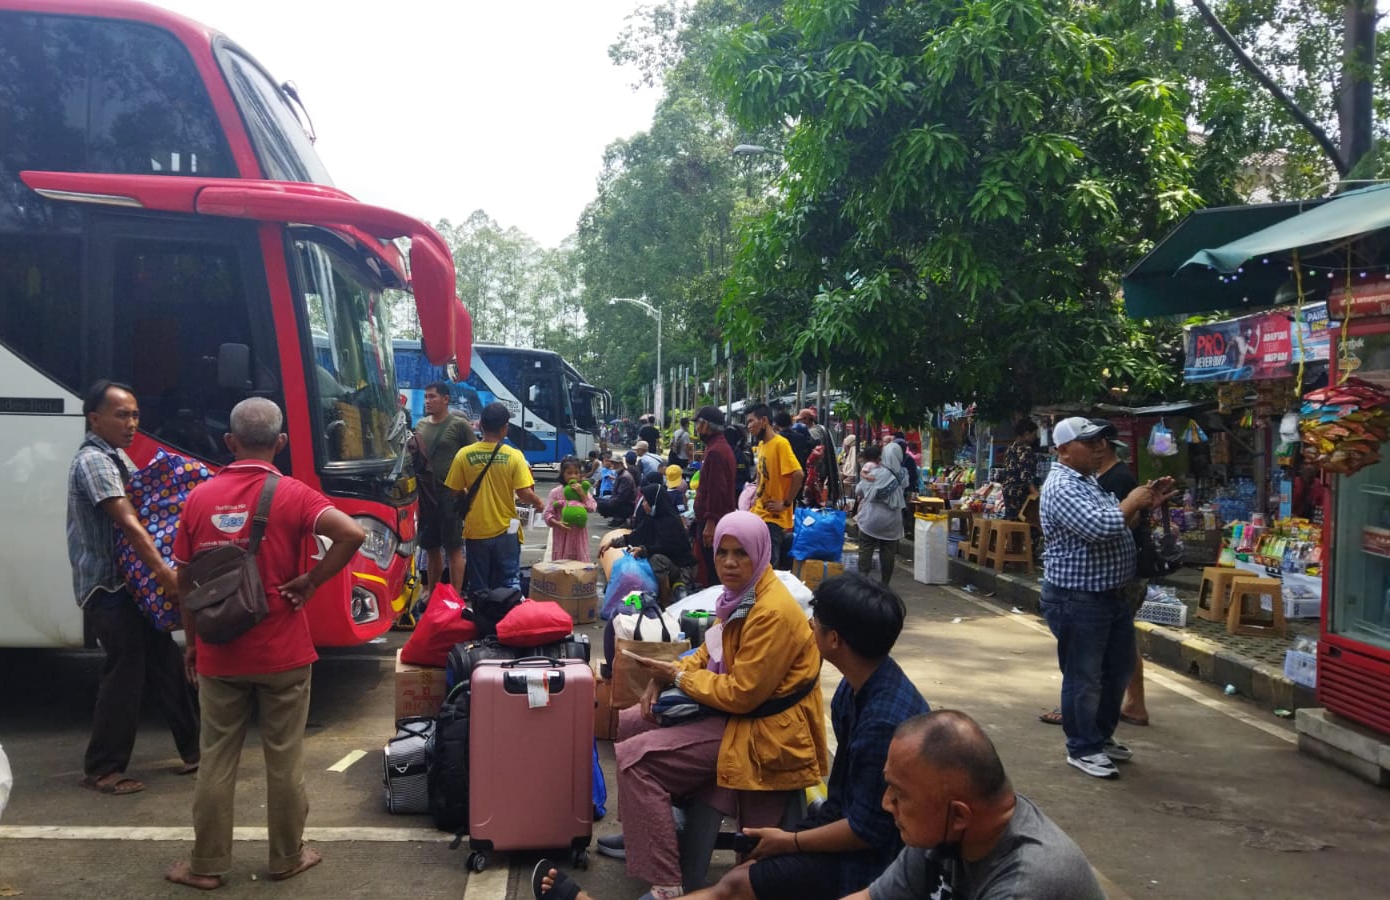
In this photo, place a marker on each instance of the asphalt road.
(1217, 802)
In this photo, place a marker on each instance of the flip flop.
(182, 873)
(308, 858)
(118, 788)
(1134, 720)
(562, 888)
(1051, 718)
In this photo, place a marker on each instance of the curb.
(1171, 648)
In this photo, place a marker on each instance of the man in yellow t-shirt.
(780, 478)
(491, 533)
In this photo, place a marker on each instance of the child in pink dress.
(568, 542)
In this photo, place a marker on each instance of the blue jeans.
(493, 563)
(1095, 651)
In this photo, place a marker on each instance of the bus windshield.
(354, 377)
(284, 150)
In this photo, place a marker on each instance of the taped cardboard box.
(582, 610)
(419, 689)
(605, 716)
(813, 571)
(573, 585)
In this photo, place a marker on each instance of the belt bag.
(228, 599)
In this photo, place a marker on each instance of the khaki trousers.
(283, 701)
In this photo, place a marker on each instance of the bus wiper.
(292, 92)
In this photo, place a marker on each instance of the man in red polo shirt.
(270, 662)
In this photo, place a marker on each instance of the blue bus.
(555, 412)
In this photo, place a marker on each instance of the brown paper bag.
(630, 679)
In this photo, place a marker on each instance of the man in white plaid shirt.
(1088, 554)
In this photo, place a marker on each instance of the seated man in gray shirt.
(968, 835)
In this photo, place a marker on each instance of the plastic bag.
(747, 496)
(629, 575)
(439, 629)
(819, 534)
(1161, 441)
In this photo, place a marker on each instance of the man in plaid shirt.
(1088, 554)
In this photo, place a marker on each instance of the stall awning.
(1343, 216)
(1158, 285)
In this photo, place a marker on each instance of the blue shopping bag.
(630, 575)
(819, 534)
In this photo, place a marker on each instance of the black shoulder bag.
(467, 503)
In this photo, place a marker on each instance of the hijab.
(751, 534)
(849, 457)
(893, 462)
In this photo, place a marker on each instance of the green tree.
(963, 183)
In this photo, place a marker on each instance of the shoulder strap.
(472, 487)
(262, 512)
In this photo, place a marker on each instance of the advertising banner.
(1254, 347)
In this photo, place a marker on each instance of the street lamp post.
(655, 313)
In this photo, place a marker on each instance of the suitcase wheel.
(477, 861)
(580, 859)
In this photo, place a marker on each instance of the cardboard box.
(605, 716)
(564, 580)
(813, 571)
(582, 610)
(419, 689)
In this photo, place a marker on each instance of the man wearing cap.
(647, 461)
(1088, 556)
(620, 504)
(716, 495)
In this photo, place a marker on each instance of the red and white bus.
(166, 222)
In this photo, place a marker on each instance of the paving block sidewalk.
(1253, 665)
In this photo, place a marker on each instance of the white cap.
(1076, 428)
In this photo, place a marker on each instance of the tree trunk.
(1358, 72)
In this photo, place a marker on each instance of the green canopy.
(1343, 216)
(1158, 285)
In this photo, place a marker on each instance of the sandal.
(1134, 720)
(562, 887)
(1051, 718)
(117, 787)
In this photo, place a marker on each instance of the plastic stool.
(702, 836)
(1249, 587)
(1215, 595)
(1003, 549)
(979, 540)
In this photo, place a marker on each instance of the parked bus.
(555, 412)
(166, 222)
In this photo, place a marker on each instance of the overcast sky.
(437, 109)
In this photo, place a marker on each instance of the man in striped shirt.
(1088, 554)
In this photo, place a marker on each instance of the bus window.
(585, 415)
(40, 303)
(354, 372)
(173, 304)
(282, 147)
(103, 96)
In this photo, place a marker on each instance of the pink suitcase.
(530, 769)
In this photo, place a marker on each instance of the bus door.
(544, 413)
(182, 314)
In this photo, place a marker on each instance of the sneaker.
(612, 847)
(1097, 765)
(1117, 752)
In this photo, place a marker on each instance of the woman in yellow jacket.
(759, 652)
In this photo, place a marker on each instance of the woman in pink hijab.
(759, 670)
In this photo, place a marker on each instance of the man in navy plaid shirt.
(1088, 554)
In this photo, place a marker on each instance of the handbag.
(228, 599)
(442, 626)
(158, 492)
(1160, 552)
(674, 706)
(630, 680)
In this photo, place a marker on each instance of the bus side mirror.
(234, 367)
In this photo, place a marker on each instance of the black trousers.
(607, 506)
(138, 658)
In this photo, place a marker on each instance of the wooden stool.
(930, 506)
(1215, 594)
(979, 540)
(1251, 588)
(962, 516)
(1002, 549)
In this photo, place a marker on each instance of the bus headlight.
(380, 543)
